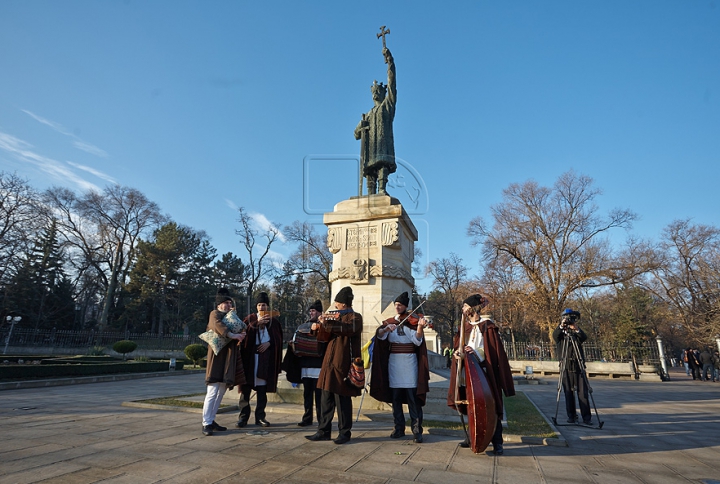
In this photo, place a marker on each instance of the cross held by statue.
(382, 34)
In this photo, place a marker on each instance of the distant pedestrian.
(684, 359)
(694, 361)
(716, 364)
(708, 368)
(448, 356)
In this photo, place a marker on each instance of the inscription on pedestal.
(361, 237)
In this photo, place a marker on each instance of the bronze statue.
(375, 130)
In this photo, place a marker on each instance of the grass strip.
(522, 419)
(176, 401)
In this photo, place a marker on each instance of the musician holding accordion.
(302, 362)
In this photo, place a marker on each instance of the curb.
(56, 382)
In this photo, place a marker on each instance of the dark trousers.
(310, 390)
(695, 370)
(244, 402)
(497, 438)
(573, 381)
(414, 408)
(708, 369)
(328, 402)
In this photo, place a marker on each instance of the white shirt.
(262, 336)
(402, 367)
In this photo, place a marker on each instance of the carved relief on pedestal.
(389, 233)
(391, 271)
(334, 241)
(360, 272)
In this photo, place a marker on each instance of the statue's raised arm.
(391, 85)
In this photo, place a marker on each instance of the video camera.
(569, 317)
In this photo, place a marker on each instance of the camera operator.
(572, 377)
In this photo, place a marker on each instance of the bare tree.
(688, 277)
(258, 266)
(21, 217)
(448, 277)
(557, 240)
(104, 228)
(312, 258)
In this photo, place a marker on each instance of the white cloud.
(78, 143)
(231, 204)
(262, 223)
(56, 126)
(22, 151)
(93, 171)
(88, 148)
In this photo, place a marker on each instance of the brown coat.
(269, 366)
(380, 380)
(221, 367)
(496, 366)
(342, 337)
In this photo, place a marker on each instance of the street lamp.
(12, 321)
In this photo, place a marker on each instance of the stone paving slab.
(653, 433)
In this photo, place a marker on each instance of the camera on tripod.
(569, 317)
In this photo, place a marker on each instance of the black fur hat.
(403, 299)
(476, 300)
(317, 306)
(222, 295)
(263, 298)
(345, 296)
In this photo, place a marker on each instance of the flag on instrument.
(367, 352)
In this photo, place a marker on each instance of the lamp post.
(12, 321)
(661, 350)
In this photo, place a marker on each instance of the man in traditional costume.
(221, 368)
(482, 337)
(342, 332)
(302, 363)
(400, 372)
(261, 356)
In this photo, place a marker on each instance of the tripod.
(570, 350)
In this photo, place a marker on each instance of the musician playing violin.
(482, 338)
(400, 373)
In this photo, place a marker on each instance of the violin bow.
(411, 313)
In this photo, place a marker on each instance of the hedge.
(48, 371)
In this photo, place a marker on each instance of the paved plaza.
(653, 433)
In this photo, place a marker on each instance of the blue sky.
(206, 106)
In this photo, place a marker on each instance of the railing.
(646, 352)
(88, 339)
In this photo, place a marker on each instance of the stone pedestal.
(372, 240)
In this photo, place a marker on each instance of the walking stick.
(362, 398)
(458, 374)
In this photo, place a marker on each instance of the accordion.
(306, 345)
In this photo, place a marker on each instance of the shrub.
(96, 351)
(124, 347)
(141, 359)
(195, 352)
